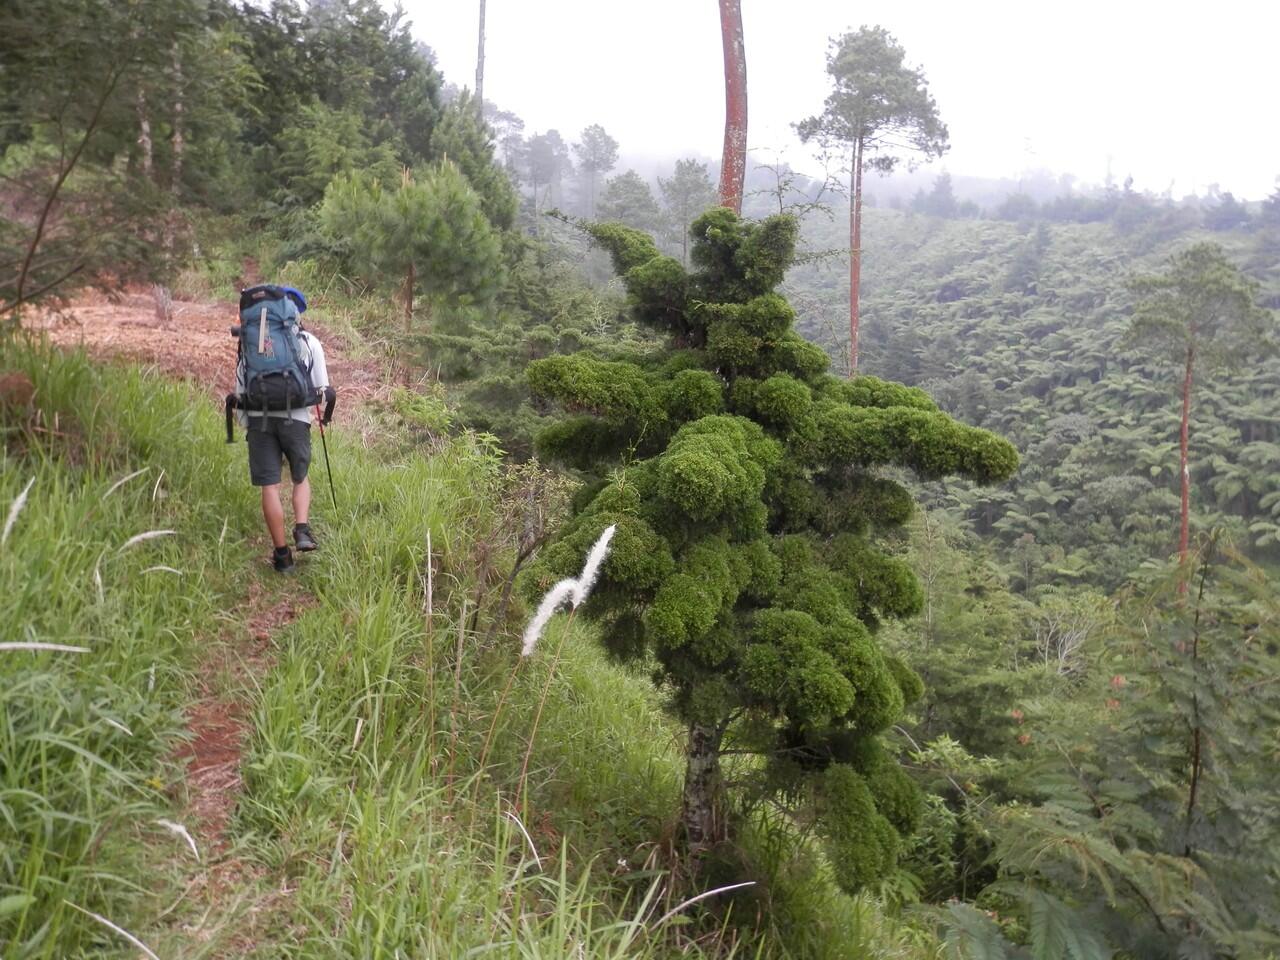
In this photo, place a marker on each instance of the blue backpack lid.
(297, 297)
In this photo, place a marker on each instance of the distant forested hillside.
(1017, 326)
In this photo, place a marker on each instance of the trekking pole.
(328, 469)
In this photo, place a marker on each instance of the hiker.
(280, 375)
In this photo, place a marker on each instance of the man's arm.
(320, 378)
(241, 417)
(319, 369)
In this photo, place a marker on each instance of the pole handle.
(229, 410)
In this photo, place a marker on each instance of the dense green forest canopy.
(1020, 327)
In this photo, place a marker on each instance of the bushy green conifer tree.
(743, 480)
(628, 199)
(464, 138)
(321, 144)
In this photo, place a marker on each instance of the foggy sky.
(1169, 92)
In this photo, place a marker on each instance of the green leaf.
(15, 902)
(1059, 933)
(972, 935)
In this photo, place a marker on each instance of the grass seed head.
(118, 929)
(14, 510)
(179, 830)
(123, 480)
(551, 602)
(575, 591)
(148, 535)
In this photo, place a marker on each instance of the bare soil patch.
(196, 345)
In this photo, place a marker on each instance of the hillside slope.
(233, 765)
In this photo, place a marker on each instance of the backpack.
(275, 375)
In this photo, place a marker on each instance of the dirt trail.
(197, 346)
(229, 899)
(219, 725)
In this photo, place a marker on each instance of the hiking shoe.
(282, 560)
(303, 538)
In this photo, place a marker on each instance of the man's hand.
(330, 398)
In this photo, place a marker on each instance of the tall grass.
(367, 826)
(368, 712)
(86, 739)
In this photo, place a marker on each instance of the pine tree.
(1201, 311)
(628, 199)
(321, 143)
(94, 98)
(547, 163)
(1226, 214)
(941, 200)
(429, 233)
(688, 193)
(1270, 213)
(359, 56)
(597, 155)
(878, 107)
(350, 57)
(743, 480)
(462, 137)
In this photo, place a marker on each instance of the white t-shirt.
(312, 352)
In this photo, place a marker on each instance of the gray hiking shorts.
(279, 437)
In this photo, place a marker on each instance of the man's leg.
(273, 513)
(301, 502)
(264, 471)
(295, 440)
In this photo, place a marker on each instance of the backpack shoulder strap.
(309, 361)
(262, 330)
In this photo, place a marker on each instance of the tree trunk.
(733, 165)
(480, 65)
(428, 309)
(175, 182)
(179, 138)
(1184, 533)
(408, 299)
(855, 253)
(1197, 745)
(144, 135)
(703, 786)
(145, 143)
(537, 229)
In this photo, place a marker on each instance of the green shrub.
(742, 562)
